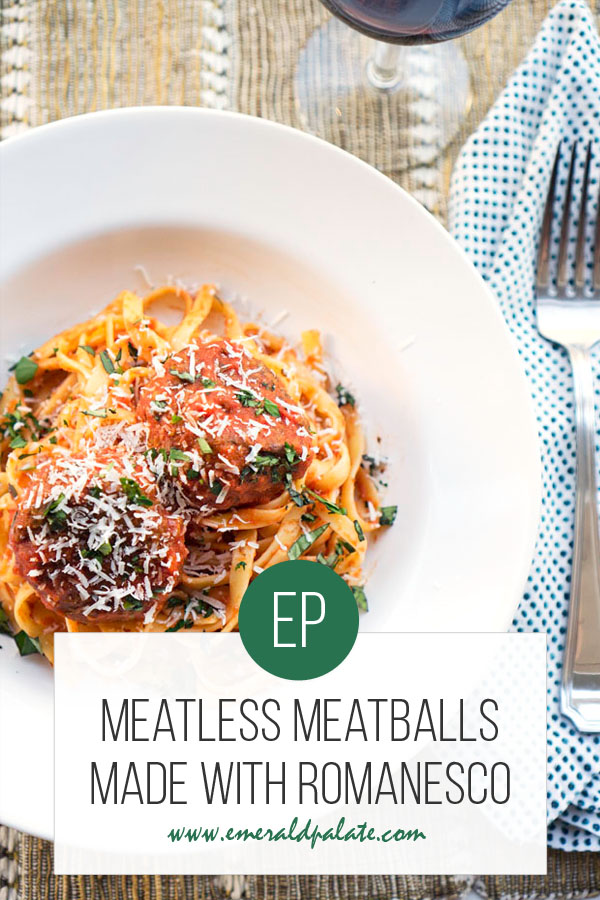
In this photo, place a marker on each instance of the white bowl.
(289, 223)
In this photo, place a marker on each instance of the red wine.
(414, 21)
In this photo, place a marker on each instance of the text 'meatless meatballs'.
(223, 426)
(94, 540)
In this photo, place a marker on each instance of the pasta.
(115, 421)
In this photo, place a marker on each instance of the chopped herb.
(344, 397)
(204, 446)
(105, 549)
(176, 419)
(56, 517)
(387, 515)
(183, 623)
(308, 517)
(358, 530)
(27, 645)
(290, 454)
(88, 349)
(17, 442)
(97, 413)
(119, 355)
(240, 565)
(95, 491)
(177, 600)
(52, 440)
(133, 351)
(27, 392)
(160, 404)
(266, 460)
(179, 455)
(347, 546)
(4, 623)
(131, 602)
(25, 369)
(305, 541)
(360, 597)
(247, 399)
(271, 408)
(216, 487)
(183, 376)
(134, 493)
(107, 362)
(192, 474)
(208, 382)
(329, 506)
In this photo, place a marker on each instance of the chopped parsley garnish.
(358, 530)
(179, 455)
(133, 351)
(107, 362)
(183, 376)
(88, 349)
(360, 597)
(308, 517)
(290, 454)
(240, 565)
(52, 440)
(216, 487)
(344, 397)
(204, 446)
(27, 645)
(4, 623)
(134, 493)
(25, 369)
(175, 419)
(193, 474)
(247, 399)
(183, 623)
(131, 602)
(271, 408)
(192, 379)
(56, 517)
(17, 442)
(329, 506)
(97, 413)
(95, 491)
(305, 541)
(387, 515)
(22, 428)
(160, 404)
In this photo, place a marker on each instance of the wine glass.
(364, 85)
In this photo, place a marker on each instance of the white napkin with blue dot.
(497, 198)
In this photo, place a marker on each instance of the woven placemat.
(65, 57)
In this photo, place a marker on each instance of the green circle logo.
(298, 620)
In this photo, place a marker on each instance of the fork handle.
(580, 698)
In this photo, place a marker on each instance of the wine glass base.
(403, 121)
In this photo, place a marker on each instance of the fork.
(568, 313)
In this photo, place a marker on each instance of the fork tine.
(543, 261)
(581, 226)
(597, 247)
(563, 251)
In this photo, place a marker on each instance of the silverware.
(568, 313)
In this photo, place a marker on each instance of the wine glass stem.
(383, 68)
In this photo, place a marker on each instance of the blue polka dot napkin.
(497, 197)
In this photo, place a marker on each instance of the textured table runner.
(64, 57)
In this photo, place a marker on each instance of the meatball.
(222, 428)
(93, 539)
